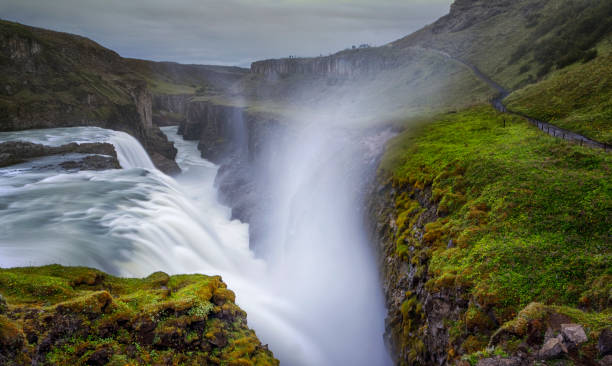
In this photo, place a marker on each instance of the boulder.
(573, 334)
(553, 348)
(604, 345)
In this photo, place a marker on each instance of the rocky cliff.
(349, 63)
(56, 315)
(237, 139)
(467, 277)
(53, 79)
(170, 109)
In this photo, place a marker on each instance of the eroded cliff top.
(75, 315)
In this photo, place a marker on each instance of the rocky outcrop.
(424, 312)
(417, 329)
(170, 110)
(349, 63)
(235, 138)
(76, 316)
(220, 129)
(104, 154)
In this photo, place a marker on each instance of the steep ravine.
(235, 139)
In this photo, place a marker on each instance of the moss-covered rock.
(73, 315)
(495, 230)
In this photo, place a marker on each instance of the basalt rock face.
(416, 327)
(52, 79)
(170, 110)
(348, 64)
(235, 139)
(221, 130)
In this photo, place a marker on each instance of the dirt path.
(498, 104)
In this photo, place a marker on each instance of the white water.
(315, 299)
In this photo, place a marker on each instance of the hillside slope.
(577, 98)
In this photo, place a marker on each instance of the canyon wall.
(349, 63)
(234, 138)
(417, 330)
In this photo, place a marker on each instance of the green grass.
(191, 319)
(577, 98)
(529, 214)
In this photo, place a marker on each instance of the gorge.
(376, 206)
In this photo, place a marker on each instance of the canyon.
(324, 159)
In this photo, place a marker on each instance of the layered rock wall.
(350, 63)
(416, 327)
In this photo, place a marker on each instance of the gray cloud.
(230, 32)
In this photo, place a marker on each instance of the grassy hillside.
(521, 217)
(518, 42)
(74, 316)
(577, 97)
(172, 78)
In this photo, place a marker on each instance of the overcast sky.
(228, 32)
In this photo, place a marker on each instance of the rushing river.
(315, 297)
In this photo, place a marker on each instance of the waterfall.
(129, 152)
(314, 297)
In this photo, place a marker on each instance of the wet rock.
(15, 152)
(94, 162)
(604, 345)
(573, 334)
(553, 348)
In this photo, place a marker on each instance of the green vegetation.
(577, 98)
(520, 217)
(517, 43)
(578, 26)
(73, 315)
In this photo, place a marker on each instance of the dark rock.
(145, 330)
(604, 345)
(164, 164)
(94, 162)
(218, 339)
(99, 357)
(573, 334)
(14, 152)
(553, 348)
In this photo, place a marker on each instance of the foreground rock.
(68, 316)
(16, 152)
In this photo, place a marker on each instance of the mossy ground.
(73, 316)
(522, 217)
